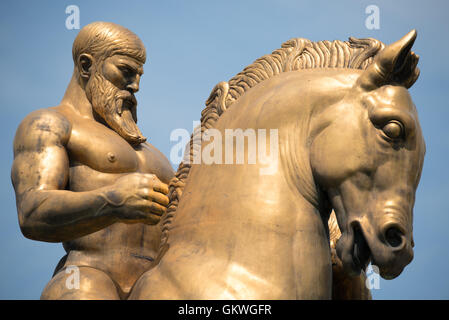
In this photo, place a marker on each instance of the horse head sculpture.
(374, 132)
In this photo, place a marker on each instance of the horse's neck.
(235, 194)
(238, 193)
(258, 232)
(284, 103)
(267, 226)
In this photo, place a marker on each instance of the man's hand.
(138, 197)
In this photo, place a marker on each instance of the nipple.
(111, 157)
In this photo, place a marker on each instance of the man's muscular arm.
(47, 211)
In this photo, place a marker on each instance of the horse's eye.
(393, 129)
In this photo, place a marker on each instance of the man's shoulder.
(41, 127)
(46, 119)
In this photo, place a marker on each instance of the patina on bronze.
(84, 175)
(349, 140)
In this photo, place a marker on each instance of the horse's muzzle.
(392, 251)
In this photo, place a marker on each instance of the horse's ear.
(396, 64)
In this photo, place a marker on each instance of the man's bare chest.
(98, 156)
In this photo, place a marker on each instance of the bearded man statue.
(85, 176)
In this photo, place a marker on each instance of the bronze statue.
(349, 140)
(84, 175)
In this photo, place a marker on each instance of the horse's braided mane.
(295, 54)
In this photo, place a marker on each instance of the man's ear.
(85, 64)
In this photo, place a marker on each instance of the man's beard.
(116, 107)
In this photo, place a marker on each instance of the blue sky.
(191, 46)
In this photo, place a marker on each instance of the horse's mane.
(295, 54)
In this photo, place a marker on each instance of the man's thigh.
(80, 283)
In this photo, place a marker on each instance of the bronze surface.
(84, 176)
(349, 142)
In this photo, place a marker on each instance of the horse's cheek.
(335, 156)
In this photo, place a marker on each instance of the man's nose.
(133, 86)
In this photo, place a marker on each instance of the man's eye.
(394, 130)
(126, 71)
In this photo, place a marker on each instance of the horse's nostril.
(394, 237)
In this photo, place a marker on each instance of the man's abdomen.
(123, 251)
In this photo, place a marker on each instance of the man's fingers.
(152, 195)
(161, 187)
(159, 198)
(150, 206)
(157, 185)
(146, 212)
(157, 208)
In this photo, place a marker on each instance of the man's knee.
(80, 283)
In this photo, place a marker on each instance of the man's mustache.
(127, 99)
